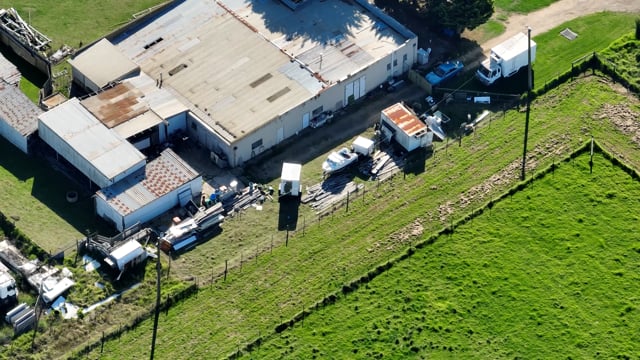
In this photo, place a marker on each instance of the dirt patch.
(405, 235)
(623, 117)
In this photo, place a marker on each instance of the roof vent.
(177, 69)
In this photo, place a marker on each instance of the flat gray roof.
(239, 64)
(103, 63)
(107, 151)
(160, 176)
(17, 110)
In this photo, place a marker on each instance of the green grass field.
(551, 270)
(595, 32)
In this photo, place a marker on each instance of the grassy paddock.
(514, 282)
(595, 32)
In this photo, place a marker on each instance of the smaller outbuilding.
(126, 256)
(165, 182)
(399, 123)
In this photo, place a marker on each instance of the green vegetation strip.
(252, 302)
(522, 6)
(551, 270)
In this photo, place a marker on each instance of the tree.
(457, 15)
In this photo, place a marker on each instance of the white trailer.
(126, 256)
(506, 58)
(290, 181)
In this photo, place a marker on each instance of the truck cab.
(488, 75)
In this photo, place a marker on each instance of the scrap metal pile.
(382, 165)
(334, 189)
(12, 23)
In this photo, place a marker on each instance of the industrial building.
(252, 74)
(18, 114)
(165, 182)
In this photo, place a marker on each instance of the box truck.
(505, 59)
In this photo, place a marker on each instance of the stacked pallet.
(325, 195)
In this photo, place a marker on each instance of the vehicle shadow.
(288, 214)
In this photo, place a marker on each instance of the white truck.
(505, 59)
(290, 186)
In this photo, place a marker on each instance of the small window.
(404, 57)
(194, 126)
(317, 111)
(395, 62)
(388, 66)
(256, 144)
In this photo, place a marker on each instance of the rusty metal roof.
(161, 176)
(116, 105)
(405, 119)
(130, 99)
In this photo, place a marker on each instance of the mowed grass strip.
(335, 251)
(551, 270)
(522, 6)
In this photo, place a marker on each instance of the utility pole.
(157, 314)
(526, 123)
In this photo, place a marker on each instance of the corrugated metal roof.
(108, 152)
(17, 110)
(217, 70)
(210, 53)
(131, 99)
(138, 124)
(9, 72)
(405, 119)
(103, 63)
(162, 175)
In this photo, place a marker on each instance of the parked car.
(444, 71)
(324, 118)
